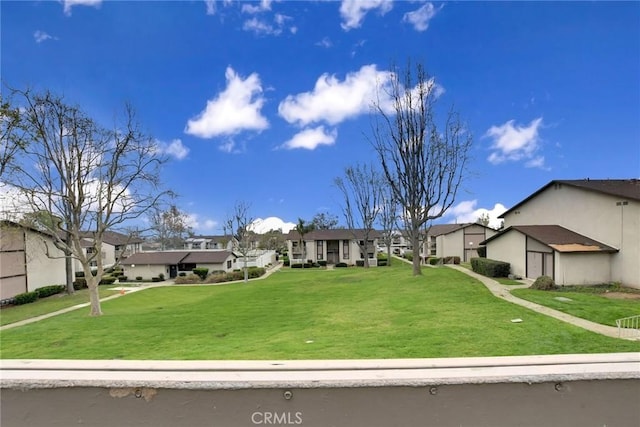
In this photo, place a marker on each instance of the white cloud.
(354, 11)
(325, 42)
(310, 139)
(234, 110)
(41, 36)
(513, 143)
(174, 149)
(68, 4)
(466, 211)
(211, 6)
(261, 226)
(200, 225)
(420, 18)
(334, 101)
(263, 6)
(262, 27)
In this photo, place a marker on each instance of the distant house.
(115, 247)
(171, 263)
(461, 240)
(223, 242)
(576, 231)
(28, 260)
(333, 246)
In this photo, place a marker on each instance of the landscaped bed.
(309, 314)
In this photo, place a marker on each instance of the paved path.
(127, 290)
(504, 292)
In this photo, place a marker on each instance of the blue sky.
(267, 102)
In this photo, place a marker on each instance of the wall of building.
(583, 268)
(510, 248)
(147, 272)
(599, 216)
(45, 262)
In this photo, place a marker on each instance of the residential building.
(171, 263)
(461, 240)
(28, 260)
(333, 246)
(202, 242)
(576, 231)
(115, 247)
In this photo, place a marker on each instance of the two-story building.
(575, 231)
(333, 246)
(461, 240)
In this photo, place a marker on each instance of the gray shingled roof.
(558, 238)
(157, 258)
(440, 229)
(207, 257)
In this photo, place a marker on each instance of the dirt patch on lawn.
(621, 295)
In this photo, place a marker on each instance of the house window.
(195, 245)
(345, 249)
(93, 263)
(91, 251)
(319, 250)
(229, 264)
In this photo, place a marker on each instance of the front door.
(173, 271)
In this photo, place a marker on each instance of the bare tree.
(325, 221)
(362, 193)
(423, 162)
(238, 223)
(93, 178)
(170, 227)
(388, 218)
(12, 137)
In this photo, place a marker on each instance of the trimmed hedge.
(359, 263)
(433, 260)
(25, 298)
(201, 271)
(322, 263)
(382, 262)
(188, 280)
(544, 283)
(490, 267)
(80, 283)
(482, 251)
(452, 260)
(341, 265)
(47, 291)
(107, 280)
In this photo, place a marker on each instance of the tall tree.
(303, 228)
(238, 224)
(12, 134)
(325, 221)
(361, 189)
(424, 161)
(170, 227)
(272, 240)
(93, 178)
(388, 218)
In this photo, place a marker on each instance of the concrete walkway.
(504, 292)
(124, 290)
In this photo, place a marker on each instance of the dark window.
(319, 250)
(345, 249)
(229, 264)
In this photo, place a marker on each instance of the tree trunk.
(415, 242)
(68, 271)
(389, 254)
(94, 295)
(246, 270)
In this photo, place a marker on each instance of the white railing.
(629, 327)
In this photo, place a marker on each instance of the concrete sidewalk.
(504, 292)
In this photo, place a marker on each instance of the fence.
(629, 327)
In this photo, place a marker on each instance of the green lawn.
(47, 305)
(311, 314)
(587, 305)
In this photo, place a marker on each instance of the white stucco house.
(115, 247)
(28, 260)
(171, 263)
(461, 240)
(333, 246)
(575, 231)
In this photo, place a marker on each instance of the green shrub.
(47, 291)
(161, 276)
(433, 260)
(359, 263)
(286, 262)
(341, 265)
(256, 272)
(297, 265)
(80, 283)
(25, 298)
(322, 263)
(408, 255)
(482, 251)
(188, 280)
(79, 273)
(382, 262)
(156, 279)
(138, 277)
(490, 267)
(544, 283)
(182, 274)
(201, 271)
(122, 278)
(107, 280)
(452, 260)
